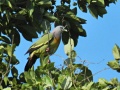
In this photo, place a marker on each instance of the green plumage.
(46, 45)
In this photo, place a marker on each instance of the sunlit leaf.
(6, 80)
(8, 88)
(9, 50)
(88, 86)
(9, 3)
(116, 52)
(114, 64)
(114, 81)
(45, 3)
(102, 82)
(67, 83)
(69, 46)
(47, 81)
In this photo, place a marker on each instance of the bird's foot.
(48, 49)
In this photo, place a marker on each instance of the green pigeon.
(48, 43)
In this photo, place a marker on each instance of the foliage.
(30, 17)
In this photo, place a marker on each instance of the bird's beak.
(65, 30)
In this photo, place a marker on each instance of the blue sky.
(102, 35)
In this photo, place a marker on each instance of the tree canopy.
(30, 17)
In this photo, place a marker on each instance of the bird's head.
(58, 31)
(61, 28)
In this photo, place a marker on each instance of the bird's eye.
(61, 28)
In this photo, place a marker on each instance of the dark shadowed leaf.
(28, 32)
(22, 77)
(13, 34)
(93, 11)
(12, 60)
(82, 5)
(5, 39)
(69, 61)
(50, 17)
(14, 72)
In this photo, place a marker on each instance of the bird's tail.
(30, 62)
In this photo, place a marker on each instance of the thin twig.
(94, 74)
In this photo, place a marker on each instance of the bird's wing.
(45, 39)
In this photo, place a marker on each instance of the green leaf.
(67, 83)
(88, 86)
(5, 39)
(30, 7)
(1, 49)
(30, 77)
(41, 87)
(61, 78)
(14, 81)
(74, 10)
(14, 72)
(28, 32)
(69, 47)
(116, 52)
(45, 3)
(82, 5)
(88, 1)
(47, 81)
(9, 50)
(13, 34)
(13, 59)
(114, 81)
(6, 80)
(44, 60)
(93, 11)
(114, 65)
(9, 4)
(101, 3)
(22, 77)
(50, 17)
(25, 85)
(8, 88)
(102, 82)
(23, 11)
(71, 16)
(3, 67)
